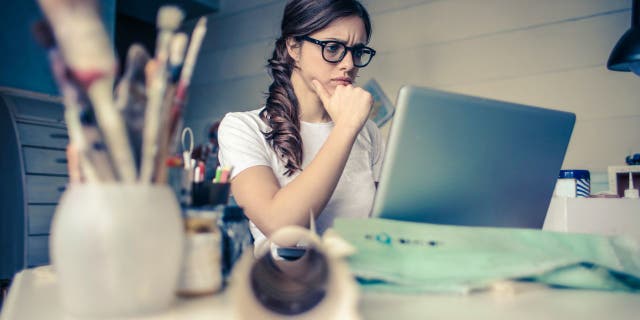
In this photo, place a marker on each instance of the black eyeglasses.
(334, 51)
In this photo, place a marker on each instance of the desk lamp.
(625, 56)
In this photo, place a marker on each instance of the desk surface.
(33, 295)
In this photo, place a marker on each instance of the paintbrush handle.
(113, 128)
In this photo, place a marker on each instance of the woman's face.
(311, 65)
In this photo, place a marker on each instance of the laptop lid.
(464, 160)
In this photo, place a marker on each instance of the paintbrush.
(94, 163)
(131, 97)
(185, 76)
(169, 19)
(86, 48)
(176, 57)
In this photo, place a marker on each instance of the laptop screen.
(464, 160)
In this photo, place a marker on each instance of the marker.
(218, 176)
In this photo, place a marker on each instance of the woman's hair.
(301, 17)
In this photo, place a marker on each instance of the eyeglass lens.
(335, 52)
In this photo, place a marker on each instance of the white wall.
(549, 53)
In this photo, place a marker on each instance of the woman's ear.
(293, 48)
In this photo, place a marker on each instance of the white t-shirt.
(243, 145)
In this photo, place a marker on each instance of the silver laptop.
(464, 160)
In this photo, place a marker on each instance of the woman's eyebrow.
(342, 41)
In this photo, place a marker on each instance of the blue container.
(582, 181)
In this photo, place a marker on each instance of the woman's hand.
(348, 107)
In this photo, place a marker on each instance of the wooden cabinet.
(33, 175)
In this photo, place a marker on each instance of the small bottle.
(573, 184)
(202, 261)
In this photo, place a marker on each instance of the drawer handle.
(59, 136)
(61, 160)
(62, 188)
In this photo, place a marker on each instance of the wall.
(549, 53)
(23, 62)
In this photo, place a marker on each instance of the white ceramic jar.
(117, 249)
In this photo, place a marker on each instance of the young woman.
(310, 149)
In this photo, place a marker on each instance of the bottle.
(573, 184)
(202, 260)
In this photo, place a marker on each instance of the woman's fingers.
(348, 105)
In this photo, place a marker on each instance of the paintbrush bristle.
(169, 18)
(43, 34)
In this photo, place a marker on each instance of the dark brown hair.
(301, 17)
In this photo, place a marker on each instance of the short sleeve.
(242, 143)
(378, 150)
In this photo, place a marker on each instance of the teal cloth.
(418, 257)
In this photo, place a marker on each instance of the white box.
(605, 216)
(619, 178)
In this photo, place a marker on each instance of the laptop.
(463, 160)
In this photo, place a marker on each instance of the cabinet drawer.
(43, 136)
(38, 108)
(37, 251)
(45, 161)
(40, 217)
(42, 189)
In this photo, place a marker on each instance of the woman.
(310, 149)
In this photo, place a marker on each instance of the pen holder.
(208, 193)
(117, 249)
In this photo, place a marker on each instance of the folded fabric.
(418, 257)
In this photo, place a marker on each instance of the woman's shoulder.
(246, 119)
(371, 130)
(370, 136)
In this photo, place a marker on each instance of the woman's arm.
(270, 207)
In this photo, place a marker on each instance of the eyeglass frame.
(324, 43)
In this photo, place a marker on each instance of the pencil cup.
(207, 193)
(117, 249)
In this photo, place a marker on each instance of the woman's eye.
(333, 47)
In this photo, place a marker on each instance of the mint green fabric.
(418, 257)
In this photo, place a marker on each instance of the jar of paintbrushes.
(117, 234)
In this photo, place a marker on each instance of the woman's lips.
(342, 81)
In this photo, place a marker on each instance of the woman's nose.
(347, 61)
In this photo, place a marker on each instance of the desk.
(34, 296)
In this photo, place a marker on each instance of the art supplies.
(87, 50)
(222, 174)
(131, 97)
(169, 19)
(188, 168)
(185, 75)
(127, 138)
(94, 162)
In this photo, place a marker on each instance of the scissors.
(186, 151)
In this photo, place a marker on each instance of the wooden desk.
(34, 296)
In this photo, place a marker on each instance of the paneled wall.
(549, 53)
(23, 63)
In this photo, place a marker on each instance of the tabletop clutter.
(154, 220)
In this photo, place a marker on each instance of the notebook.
(465, 160)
